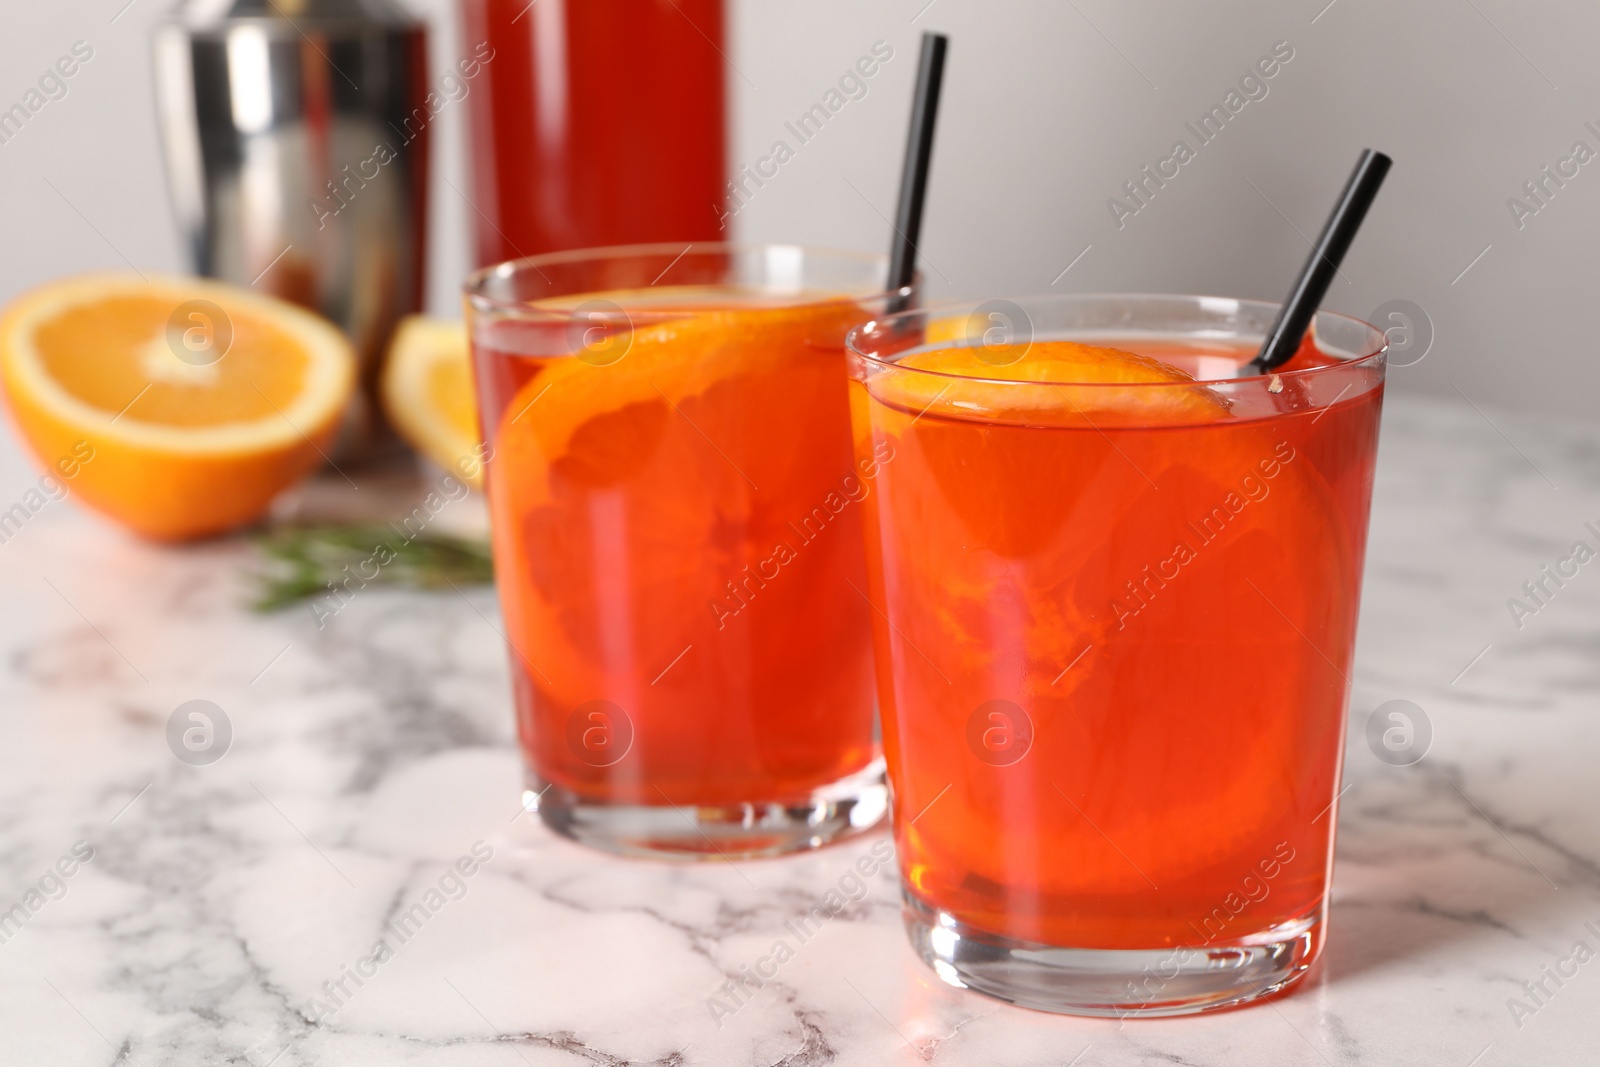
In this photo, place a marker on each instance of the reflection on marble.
(304, 900)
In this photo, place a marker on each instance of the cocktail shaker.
(296, 136)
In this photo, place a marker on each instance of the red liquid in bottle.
(594, 123)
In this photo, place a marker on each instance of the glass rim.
(853, 346)
(475, 286)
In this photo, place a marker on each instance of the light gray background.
(1049, 108)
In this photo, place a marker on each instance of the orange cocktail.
(1119, 588)
(676, 520)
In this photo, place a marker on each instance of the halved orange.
(426, 389)
(187, 405)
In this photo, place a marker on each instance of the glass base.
(1113, 983)
(721, 832)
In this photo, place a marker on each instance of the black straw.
(1284, 339)
(914, 175)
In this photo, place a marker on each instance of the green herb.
(310, 561)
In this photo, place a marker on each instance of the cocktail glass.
(676, 522)
(1115, 615)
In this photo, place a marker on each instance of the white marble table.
(225, 905)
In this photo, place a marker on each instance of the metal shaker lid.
(199, 16)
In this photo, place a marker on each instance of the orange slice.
(187, 405)
(426, 390)
(660, 364)
(1014, 516)
(665, 362)
(1075, 384)
(691, 403)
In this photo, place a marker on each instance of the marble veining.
(305, 901)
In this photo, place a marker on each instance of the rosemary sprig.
(310, 561)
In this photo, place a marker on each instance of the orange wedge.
(426, 389)
(1075, 384)
(187, 405)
